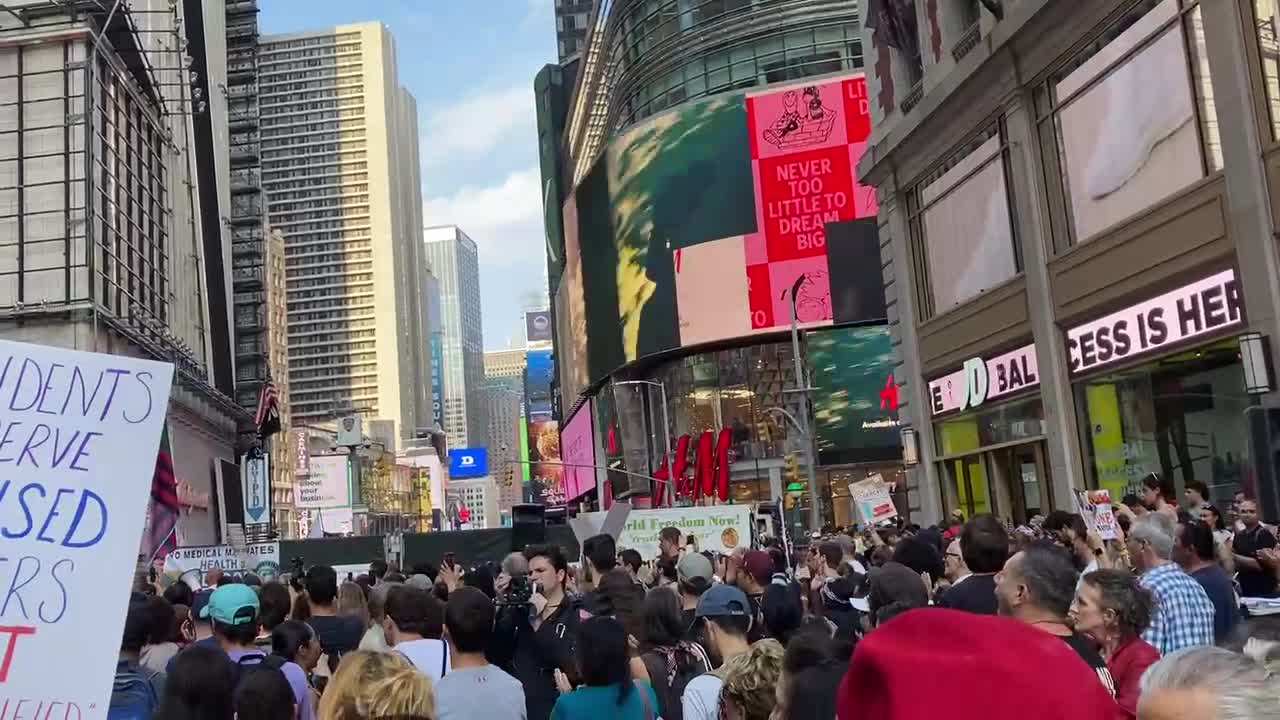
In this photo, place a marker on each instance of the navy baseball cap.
(721, 600)
(199, 601)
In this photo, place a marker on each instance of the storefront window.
(1010, 422)
(1130, 120)
(994, 461)
(1182, 418)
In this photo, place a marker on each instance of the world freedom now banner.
(78, 439)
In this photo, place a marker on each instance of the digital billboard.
(538, 375)
(468, 462)
(578, 453)
(855, 398)
(546, 472)
(537, 327)
(695, 224)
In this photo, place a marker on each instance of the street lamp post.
(802, 423)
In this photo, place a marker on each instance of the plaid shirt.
(1183, 614)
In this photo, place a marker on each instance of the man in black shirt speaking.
(1036, 587)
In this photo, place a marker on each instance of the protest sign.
(1095, 508)
(873, 499)
(720, 528)
(78, 444)
(191, 563)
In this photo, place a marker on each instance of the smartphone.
(449, 559)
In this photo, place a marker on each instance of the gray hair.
(1242, 688)
(1156, 530)
(515, 565)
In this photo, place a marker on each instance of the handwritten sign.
(1095, 508)
(873, 499)
(722, 528)
(79, 434)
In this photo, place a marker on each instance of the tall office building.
(504, 402)
(454, 262)
(572, 17)
(340, 173)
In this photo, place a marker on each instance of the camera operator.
(538, 637)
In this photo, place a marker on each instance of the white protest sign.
(262, 559)
(1095, 508)
(873, 499)
(719, 528)
(78, 443)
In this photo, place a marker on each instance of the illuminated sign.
(980, 381)
(1201, 308)
(468, 462)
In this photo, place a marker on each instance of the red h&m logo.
(889, 394)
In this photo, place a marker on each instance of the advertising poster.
(468, 462)
(714, 209)
(1129, 140)
(327, 486)
(191, 563)
(873, 499)
(720, 529)
(538, 374)
(437, 380)
(546, 472)
(80, 441)
(855, 398)
(537, 327)
(578, 452)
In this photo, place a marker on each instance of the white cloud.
(478, 123)
(505, 219)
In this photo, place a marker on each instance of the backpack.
(248, 665)
(133, 694)
(669, 695)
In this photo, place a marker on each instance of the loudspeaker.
(528, 526)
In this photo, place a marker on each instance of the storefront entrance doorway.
(1011, 482)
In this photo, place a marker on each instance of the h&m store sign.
(1203, 307)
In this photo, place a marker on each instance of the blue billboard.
(437, 379)
(540, 370)
(468, 462)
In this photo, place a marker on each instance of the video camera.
(518, 592)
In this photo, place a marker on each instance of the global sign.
(468, 462)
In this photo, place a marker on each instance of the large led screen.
(695, 225)
(578, 452)
(545, 469)
(538, 374)
(855, 398)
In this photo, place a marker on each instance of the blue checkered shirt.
(1183, 615)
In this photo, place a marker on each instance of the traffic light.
(791, 474)
(789, 501)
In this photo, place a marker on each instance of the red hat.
(759, 565)
(931, 663)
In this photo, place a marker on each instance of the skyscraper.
(340, 172)
(572, 17)
(454, 262)
(504, 401)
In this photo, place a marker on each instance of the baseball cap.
(721, 600)
(199, 601)
(759, 565)
(234, 604)
(694, 567)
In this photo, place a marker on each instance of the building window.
(1129, 121)
(962, 228)
(1267, 21)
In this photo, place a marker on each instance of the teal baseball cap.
(233, 604)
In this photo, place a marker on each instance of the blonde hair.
(351, 601)
(750, 679)
(372, 685)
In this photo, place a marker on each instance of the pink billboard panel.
(578, 453)
(805, 144)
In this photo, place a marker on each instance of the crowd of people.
(971, 617)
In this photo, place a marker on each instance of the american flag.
(162, 536)
(268, 416)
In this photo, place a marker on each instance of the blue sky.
(471, 66)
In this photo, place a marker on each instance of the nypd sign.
(468, 462)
